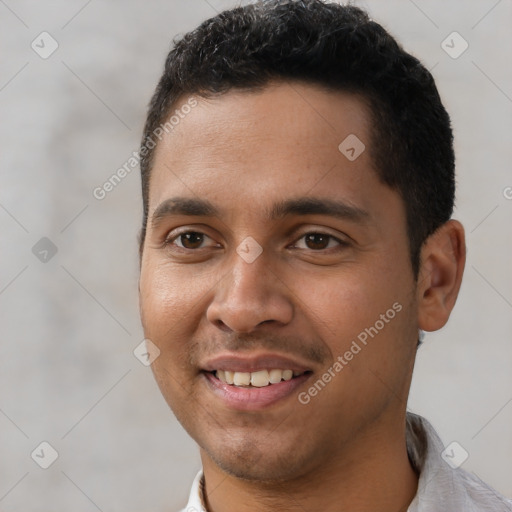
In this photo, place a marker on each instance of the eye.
(313, 240)
(317, 241)
(188, 240)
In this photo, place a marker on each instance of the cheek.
(363, 315)
(167, 296)
(343, 303)
(374, 335)
(166, 307)
(169, 312)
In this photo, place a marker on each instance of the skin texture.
(307, 299)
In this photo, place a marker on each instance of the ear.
(443, 257)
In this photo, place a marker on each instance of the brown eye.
(318, 241)
(191, 240)
(187, 240)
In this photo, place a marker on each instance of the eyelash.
(170, 240)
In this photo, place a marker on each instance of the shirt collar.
(441, 487)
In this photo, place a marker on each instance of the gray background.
(69, 325)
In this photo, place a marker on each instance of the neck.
(372, 473)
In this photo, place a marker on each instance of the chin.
(259, 472)
(257, 463)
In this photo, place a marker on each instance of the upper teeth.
(257, 379)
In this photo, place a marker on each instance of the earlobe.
(443, 257)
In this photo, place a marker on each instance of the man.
(298, 185)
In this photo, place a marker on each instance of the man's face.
(211, 301)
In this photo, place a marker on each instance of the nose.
(249, 295)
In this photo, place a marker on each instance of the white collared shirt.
(441, 488)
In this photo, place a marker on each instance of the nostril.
(222, 326)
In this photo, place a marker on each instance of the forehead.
(289, 139)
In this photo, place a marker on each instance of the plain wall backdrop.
(70, 319)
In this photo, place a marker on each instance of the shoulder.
(443, 485)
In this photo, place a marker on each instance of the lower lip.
(253, 398)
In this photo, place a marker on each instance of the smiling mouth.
(258, 379)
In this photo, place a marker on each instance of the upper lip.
(253, 363)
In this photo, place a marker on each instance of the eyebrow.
(195, 207)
